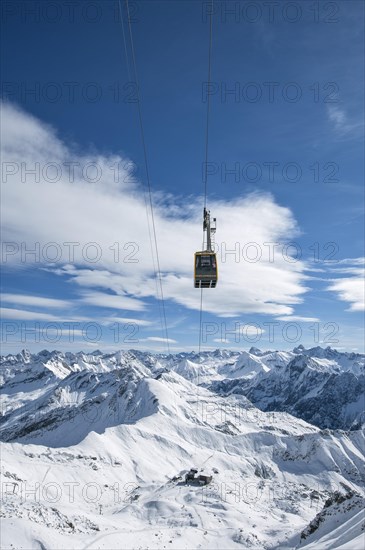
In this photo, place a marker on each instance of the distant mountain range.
(95, 448)
(321, 386)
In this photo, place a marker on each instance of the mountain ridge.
(121, 431)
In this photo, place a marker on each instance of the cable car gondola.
(205, 261)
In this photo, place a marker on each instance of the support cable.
(206, 153)
(158, 277)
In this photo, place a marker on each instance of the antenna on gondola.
(210, 228)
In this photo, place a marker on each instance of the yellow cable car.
(205, 270)
(205, 262)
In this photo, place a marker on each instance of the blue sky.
(285, 164)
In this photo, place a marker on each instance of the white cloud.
(158, 339)
(355, 266)
(337, 116)
(112, 301)
(353, 261)
(108, 212)
(126, 321)
(23, 315)
(221, 340)
(39, 301)
(354, 270)
(30, 315)
(299, 318)
(352, 290)
(342, 123)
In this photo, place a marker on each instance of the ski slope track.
(95, 448)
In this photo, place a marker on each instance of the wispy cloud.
(112, 301)
(337, 116)
(344, 126)
(350, 289)
(353, 261)
(161, 340)
(38, 301)
(110, 216)
(31, 315)
(25, 315)
(126, 321)
(299, 318)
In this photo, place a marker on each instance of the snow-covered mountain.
(96, 446)
(322, 386)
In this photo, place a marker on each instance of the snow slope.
(96, 459)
